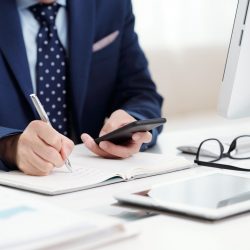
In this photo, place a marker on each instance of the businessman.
(83, 60)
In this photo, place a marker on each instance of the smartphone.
(125, 133)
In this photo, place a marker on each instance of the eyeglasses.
(212, 150)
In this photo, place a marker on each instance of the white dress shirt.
(30, 28)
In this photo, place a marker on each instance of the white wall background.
(186, 42)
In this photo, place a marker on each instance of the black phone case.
(125, 133)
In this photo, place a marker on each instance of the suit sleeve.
(4, 133)
(135, 92)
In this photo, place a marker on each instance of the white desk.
(170, 231)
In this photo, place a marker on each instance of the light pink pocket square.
(104, 42)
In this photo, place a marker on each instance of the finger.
(67, 148)
(92, 146)
(48, 153)
(142, 137)
(41, 164)
(49, 135)
(119, 150)
(25, 164)
(118, 119)
(108, 127)
(30, 169)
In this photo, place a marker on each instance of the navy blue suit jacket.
(115, 77)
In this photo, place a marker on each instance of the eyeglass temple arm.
(220, 166)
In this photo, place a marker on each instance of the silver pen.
(43, 115)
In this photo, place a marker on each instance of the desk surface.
(170, 231)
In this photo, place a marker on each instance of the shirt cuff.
(5, 133)
(6, 167)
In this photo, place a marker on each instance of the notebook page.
(140, 163)
(151, 164)
(90, 170)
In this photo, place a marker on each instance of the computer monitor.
(234, 101)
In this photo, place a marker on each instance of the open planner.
(91, 171)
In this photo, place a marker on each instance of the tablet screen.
(211, 191)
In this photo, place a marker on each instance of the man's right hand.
(40, 148)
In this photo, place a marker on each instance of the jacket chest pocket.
(106, 48)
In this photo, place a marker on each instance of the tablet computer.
(211, 196)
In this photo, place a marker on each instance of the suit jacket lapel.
(13, 48)
(81, 36)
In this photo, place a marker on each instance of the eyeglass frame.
(222, 155)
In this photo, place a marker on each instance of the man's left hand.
(110, 150)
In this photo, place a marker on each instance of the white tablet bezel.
(206, 213)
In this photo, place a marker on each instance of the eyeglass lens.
(240, 148)
(210, 151)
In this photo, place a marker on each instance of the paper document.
(32, 224)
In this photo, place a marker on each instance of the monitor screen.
(234, 101)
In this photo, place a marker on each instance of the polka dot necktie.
(51, 66)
